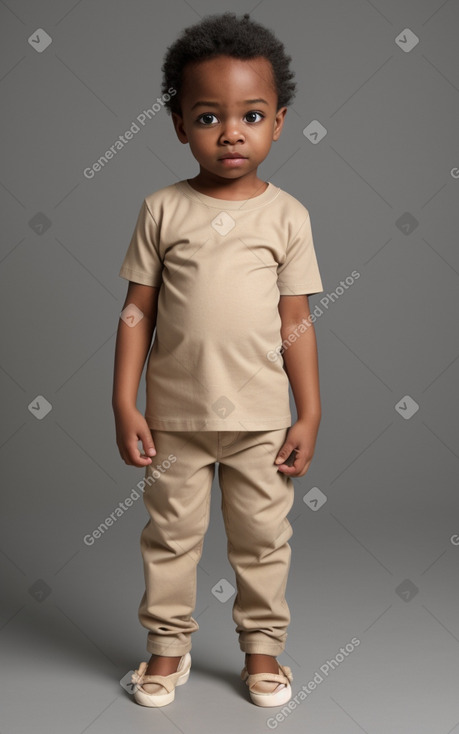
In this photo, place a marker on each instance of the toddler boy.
(221, 265)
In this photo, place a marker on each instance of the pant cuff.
(171, 650)
(262, 648)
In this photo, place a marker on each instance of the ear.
(179, 127)
(279, 122)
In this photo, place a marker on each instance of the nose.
(231, 134)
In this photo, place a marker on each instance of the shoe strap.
(285, 677)
(167, 681)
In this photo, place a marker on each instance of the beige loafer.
(165, 683)
(269, 689)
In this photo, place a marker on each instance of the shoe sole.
(156, 700)
(272, 699)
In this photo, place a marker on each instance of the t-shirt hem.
(196, 424)
(138, 277)
(293, 289)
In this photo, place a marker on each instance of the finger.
(148, 443)
(292, 465)
(290, 460)
(283, 453)
(286, 456)
(136, 456)
(138, 460)
(291, 470)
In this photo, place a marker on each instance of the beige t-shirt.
(221, 266)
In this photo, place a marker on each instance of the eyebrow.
(203, 103)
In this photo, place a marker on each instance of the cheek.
(263, 138)
(199, 141)
(196, 145)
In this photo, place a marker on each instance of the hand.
(300, 440)
(131, 427)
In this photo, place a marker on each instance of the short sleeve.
(142, 262)
(299, 273)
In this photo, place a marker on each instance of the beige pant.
(256, 499)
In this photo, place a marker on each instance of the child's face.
(217, 118)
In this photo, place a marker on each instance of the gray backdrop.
(370, 147)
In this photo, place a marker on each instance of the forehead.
(227, 78)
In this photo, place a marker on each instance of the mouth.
(232, 160)
(232, 157)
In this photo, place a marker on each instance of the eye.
(205, 115)
(254, 113)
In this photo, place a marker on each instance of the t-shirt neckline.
(254, 202)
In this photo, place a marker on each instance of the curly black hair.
(226, 34)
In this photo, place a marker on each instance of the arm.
(302, 368)
(131, 350)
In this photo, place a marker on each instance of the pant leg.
(177, 497)
(256, 499)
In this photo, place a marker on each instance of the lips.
(231, 155)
